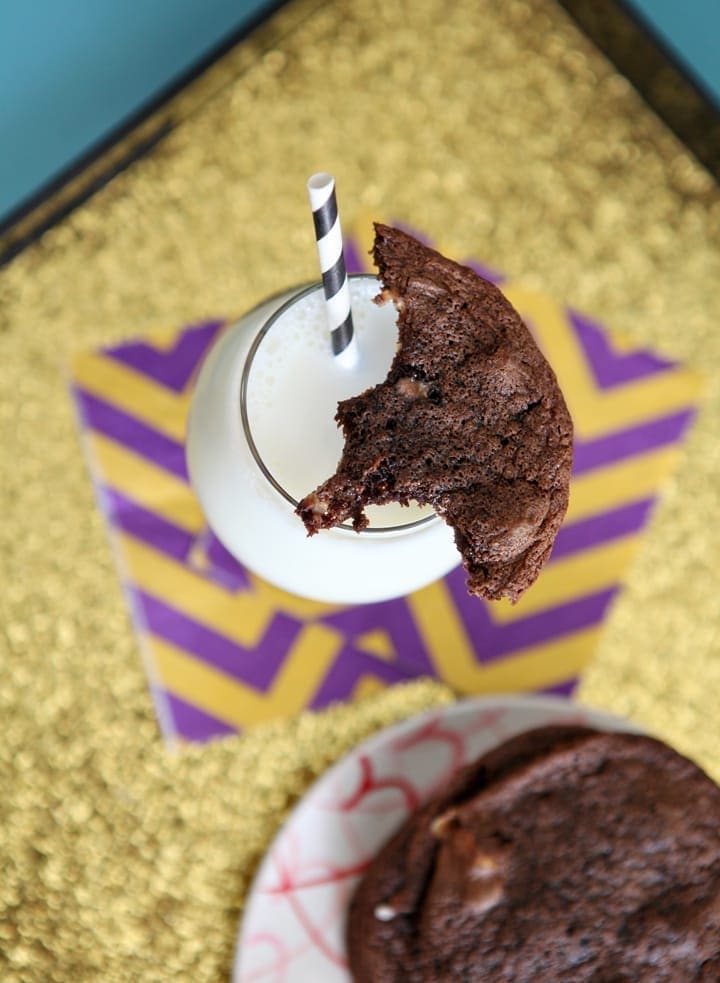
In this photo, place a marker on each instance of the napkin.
(225, 650)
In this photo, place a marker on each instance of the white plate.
(294, 925)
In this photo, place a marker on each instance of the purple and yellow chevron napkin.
(225, 650)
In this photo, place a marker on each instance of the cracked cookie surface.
(564, 854)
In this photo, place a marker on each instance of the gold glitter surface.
(496, 127)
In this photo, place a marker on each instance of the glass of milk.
(262, 434)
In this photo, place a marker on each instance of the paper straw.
(328, 236)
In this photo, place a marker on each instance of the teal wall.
(691, 28)
(72, 70)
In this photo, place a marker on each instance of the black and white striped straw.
(328, 236)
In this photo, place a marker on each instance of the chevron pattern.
(226, 651)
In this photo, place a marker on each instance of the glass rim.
(301, 292)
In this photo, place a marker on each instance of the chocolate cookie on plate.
(566, 854)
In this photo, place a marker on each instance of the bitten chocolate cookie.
(469, 420)
(566, 854)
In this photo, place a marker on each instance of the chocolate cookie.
(469, 420)
(566, 854)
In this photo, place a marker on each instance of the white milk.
(292, 388)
